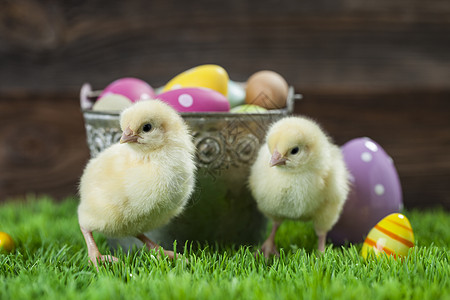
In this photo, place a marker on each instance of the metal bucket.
(222, 208)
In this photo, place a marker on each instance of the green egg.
(236, 93)
(248, 109)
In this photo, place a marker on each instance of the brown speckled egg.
(267, 89)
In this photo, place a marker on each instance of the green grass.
(50, 262)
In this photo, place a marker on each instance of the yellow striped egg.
(393, 235)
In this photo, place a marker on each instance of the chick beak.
(277, 159)
(128, 136)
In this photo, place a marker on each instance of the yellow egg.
(393, 235)
(6, 242)
(208, 76)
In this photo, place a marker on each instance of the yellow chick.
(140, 183)
(299, 175)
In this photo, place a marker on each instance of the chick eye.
(147, 127)
(295, 150)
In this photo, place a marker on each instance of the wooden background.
(366, 68)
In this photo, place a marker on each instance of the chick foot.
(103, 259)
(152, 245)
(268, 247)
(94, 254)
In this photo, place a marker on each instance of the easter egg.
(133, 88)
(375, 190)
(208, 76)
(195, 100)
(267, 89)
(85, 91)
(248, 109)
(112, 103)
(236, 93)
(159, 90)
(6, 242)
(393, 235)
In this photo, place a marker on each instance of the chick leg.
(324, 220)
(321, 244)
(152, 245)
(94, 254)
(269, 247)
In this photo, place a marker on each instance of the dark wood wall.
(366, 68)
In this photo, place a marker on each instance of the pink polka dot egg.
(195, 100)
(375, 190)
(132, 88)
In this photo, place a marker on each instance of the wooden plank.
(343, 45)
(43, 149)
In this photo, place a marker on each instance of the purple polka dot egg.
(195, 100)
(375, 190)
(132, 88)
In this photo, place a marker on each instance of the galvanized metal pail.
(222, 208)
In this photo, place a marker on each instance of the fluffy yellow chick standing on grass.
(140, 183)
(299, 175)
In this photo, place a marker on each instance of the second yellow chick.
(299, 174)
